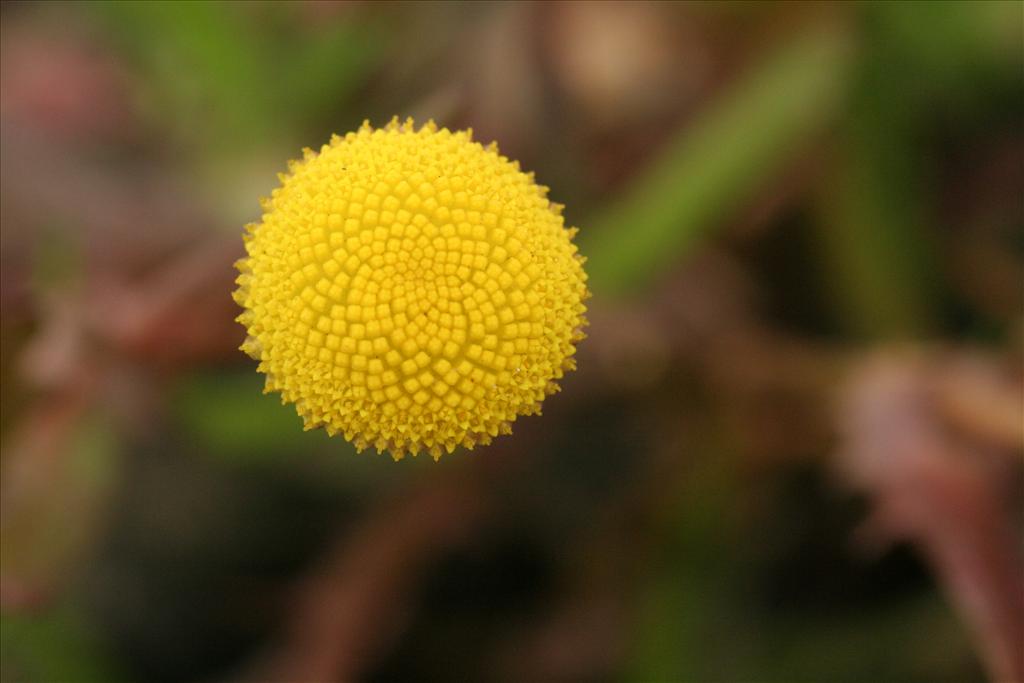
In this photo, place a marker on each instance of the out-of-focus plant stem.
(871, 210)
(875, 226)
(715, 163)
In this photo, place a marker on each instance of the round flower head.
(411, 290)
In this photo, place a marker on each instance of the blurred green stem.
(716, 162)
(871, 206)
(870, 232)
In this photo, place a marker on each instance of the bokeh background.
(793, 447)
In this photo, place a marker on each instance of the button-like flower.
(411, 290)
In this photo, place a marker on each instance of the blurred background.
(794, 446)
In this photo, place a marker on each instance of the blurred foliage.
(56, 646)
(221, 413)
(874, 227)
(81, 469)
(225, 74)
(715, 163)
(180, 525)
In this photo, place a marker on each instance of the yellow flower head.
(411, 289)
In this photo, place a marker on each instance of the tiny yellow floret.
(411, 289)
